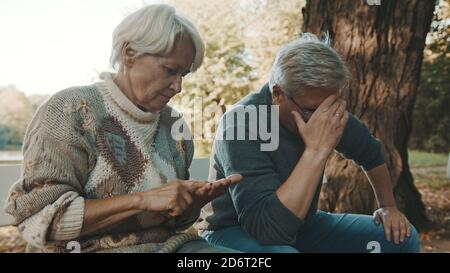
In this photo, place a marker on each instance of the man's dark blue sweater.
(253, 203)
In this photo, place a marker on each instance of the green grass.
(423, 167)
(424, 159)
(434, 179)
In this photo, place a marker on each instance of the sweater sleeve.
(359, 145)
(47, 202)
(258, 208)
(185, 220)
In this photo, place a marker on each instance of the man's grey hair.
(155, 30)
(308, 62)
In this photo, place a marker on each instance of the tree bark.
(383, 48)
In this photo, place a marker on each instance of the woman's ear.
(128, 55)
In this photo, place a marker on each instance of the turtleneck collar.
(116, 94)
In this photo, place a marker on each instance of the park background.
(397, 52)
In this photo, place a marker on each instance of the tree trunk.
(383, 48)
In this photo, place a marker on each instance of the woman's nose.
(177, 83)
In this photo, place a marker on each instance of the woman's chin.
(156, 107)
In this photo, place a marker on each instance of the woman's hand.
(324, 129)
(178, 196)
(174, 197)
(210, 191)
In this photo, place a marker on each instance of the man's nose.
(306, 117)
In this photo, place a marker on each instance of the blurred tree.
(431, 116)
(272, 23)
(226, 75)
(383, 47)
(36, 100)
(242, 38)
(15, 113)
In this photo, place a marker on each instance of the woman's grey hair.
(308, 62)
(155, 30)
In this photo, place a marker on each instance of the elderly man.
(274, 208)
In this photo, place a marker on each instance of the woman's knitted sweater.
(92, 142)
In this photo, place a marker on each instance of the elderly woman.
(274, 209)
(101, 167)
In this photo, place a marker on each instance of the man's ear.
(128, 55)
(277, 95)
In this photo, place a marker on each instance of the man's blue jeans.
(203, 247)
(327, 232)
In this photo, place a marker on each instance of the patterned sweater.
(92, 142)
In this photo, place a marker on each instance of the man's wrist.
(321, 155)
(389, 206)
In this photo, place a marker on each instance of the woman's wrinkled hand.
(210, 191)
(177, 196)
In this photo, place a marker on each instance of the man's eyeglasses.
(306, 114)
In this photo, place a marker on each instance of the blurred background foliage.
(242, 38)
(431, 116)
